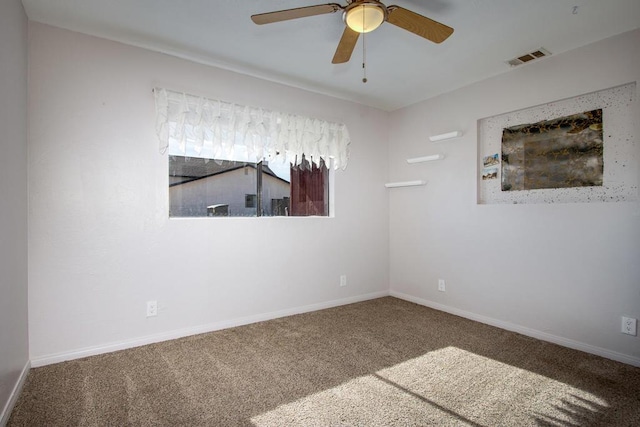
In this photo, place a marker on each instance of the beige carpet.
(384, 362)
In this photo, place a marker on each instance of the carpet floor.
(384, 362)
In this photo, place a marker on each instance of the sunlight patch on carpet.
(446, 386)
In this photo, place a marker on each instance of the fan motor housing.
(365, 16)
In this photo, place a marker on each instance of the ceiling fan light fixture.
(365, 16)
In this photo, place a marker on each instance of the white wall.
(14, 352)
(565, 272)
(101, 243)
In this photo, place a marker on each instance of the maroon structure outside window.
(310, 189)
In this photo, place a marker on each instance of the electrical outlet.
(441, 285)
(152, 308)
(343, 280)
(629, 326)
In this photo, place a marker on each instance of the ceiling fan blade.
(418, 24)
(300, 12)
(345, 47)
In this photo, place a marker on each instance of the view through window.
(201, 187)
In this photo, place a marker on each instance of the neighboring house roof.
(189, 169)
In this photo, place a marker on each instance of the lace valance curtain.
(188, 123)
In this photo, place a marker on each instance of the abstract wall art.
(560, 153)
(576, 150)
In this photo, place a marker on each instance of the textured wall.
(567, 270)
(14, 352)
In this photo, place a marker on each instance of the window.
(232, 160)
(250, 200)
(201, 187)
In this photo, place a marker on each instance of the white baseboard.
(15, 393)
(180, 333)
(565, 342)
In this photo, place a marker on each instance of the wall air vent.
(528, 57)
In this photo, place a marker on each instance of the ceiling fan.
(362, 16)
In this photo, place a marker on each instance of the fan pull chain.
(364, 54)
(364, 57)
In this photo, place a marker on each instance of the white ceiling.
(402, 68)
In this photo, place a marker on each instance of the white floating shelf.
(445, 136)
(426, 158)
(404, 184)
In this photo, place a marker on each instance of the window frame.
(330, 199)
